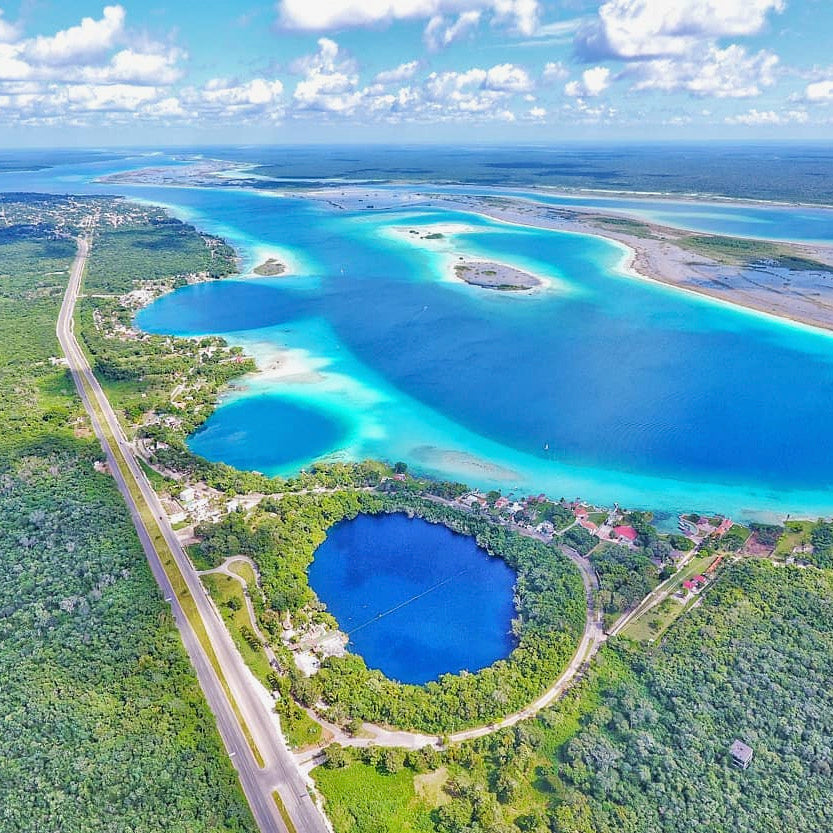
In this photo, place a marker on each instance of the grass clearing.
(796, 534)
(245, 571)
(228, 595)
(428, 787)
(652, 625)
(360, 799)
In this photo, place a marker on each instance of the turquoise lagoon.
(602, 386)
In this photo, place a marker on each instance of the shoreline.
(749, 510)
(224, 167)
(747, 295)
(638, 252)
(485, 272)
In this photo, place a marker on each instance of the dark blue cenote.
(416, 599)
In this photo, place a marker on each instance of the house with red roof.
(625, 534)
(695, 584)
(715, 564)
(725, 525)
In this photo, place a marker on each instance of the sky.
(330, 71)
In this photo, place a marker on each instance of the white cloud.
(12, 65)
(819, 91)
(555, 71)
(328, 59)
(507, 78)
(170, 107)
(94, 71)
(755, 118)
(145, 67)
(401, 73)
(538, 113)
(635, 29)
(105, 97)
(324, 15)
(594, 81)
(258, 95)
(330, 82)
(480, 92)
(580, 110)
(9, 32)
(722, 73)
(439, 33)
(90, 40)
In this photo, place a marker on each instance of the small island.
(492, 275)
(270, 268)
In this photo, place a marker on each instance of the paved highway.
(279, 771)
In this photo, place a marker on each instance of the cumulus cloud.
(257, 95)
(330, 80)
(507, 78)
(722, 73)
(9, 32)
(326, 15)
(90, 40)
(398, 74)
(555, 71)
(755, 118)
(819, 91)
(107, 97)
(95, 68)
(594, 81)
(439, 32)
(131, 66)
(636, 29)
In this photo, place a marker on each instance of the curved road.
(280, 772)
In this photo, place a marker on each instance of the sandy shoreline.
(804, 297)
(801, 296)
(461, 267)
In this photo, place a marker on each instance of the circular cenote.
(416, 599)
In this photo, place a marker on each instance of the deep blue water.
(416, 599)
(614, 374)
(266, 431)
(607, 387)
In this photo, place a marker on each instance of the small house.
(625, 534)
(725, 525)
(741, 754)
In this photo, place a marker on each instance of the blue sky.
(414, 70)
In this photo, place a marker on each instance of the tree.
(336, 757)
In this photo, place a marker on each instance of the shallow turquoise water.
(267, 430)
(415, 599)
(603, 386)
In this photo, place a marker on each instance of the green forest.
(282, 535)
(642, 744)
(104, 725)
